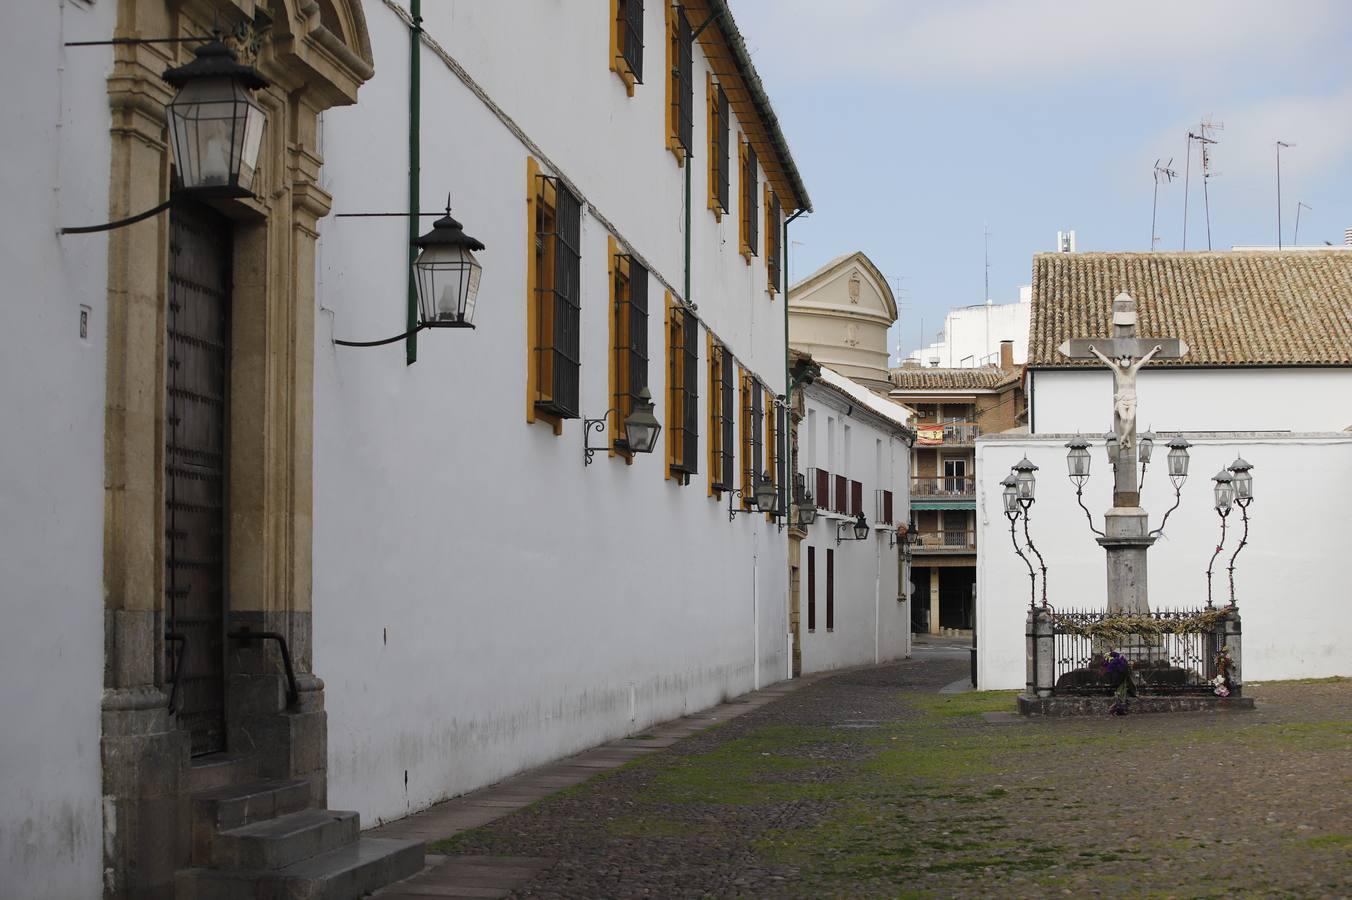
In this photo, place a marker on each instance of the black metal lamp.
(641, 427)
(860, 527)
(215, 125)
(1026, 481)
(1011, 495)
(1110, 445)
(1145, 446)
(1077, 460)
(766, 493)
(1223, 491)
(807, 510)
(1242, 480)
(447, 274)
(1178, 457)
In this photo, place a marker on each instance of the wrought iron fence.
(1169, 651)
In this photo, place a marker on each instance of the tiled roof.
(1241, 308)
(915, 378)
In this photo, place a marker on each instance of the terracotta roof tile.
(970, 379)
(1241, 308)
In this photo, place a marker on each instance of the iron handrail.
(246, 636)
(182, 641)
(943, 486)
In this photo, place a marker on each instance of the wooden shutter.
(887, 507)
(841, 497)
(856, 498)
(830, 589)
(822, 489)
(811, 588)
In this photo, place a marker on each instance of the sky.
(918, 127)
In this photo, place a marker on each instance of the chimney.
(1347, 237)
(1065, 241)
(1007, 356)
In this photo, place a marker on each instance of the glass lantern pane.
(251, 143)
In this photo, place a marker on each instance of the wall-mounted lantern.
(641, 429)
(447, 274)
(807, 510)
(766, 493)
(1178, 457)
(1242, 479)
(1077, 459)
(1223, 490)
(215, 127)
(859, 527)
(1026, 481)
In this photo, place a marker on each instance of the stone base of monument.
(1100, 705)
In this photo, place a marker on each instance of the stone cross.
(1126, 528)
(1124, 354)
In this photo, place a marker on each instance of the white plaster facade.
(849, 431)
(1290, 581)
(972, 334)
(1202, 399)
(51, 481)
(484, 602)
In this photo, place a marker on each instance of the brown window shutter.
(856, 498)
(823, 489)
(842, 496)
(830, 589)
(811, 588)
(887, 507)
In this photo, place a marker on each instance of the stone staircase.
(263, 840)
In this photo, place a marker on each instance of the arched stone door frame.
(316, 53)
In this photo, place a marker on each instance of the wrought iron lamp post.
(1145, 447)
(1177, 461)
(1223, 491)
(1077, 464)
(1013, 511)
(1025, 485)
(1242, 481)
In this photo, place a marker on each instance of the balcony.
(948, 541)
(947, 434)
(956, 486)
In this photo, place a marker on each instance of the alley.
(873, 783)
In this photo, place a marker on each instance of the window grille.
(683, 381)
(726, 422)
(682, 82)
(754, 431)
(772, 241)
(631, 333)
(718, 148)
(630, 25)
(750, 219)
(557, 241)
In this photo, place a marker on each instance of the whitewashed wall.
(870, 625)
(55, 173)
(1313, 399)
(1290, 581)
(972, 335)
(482, 602)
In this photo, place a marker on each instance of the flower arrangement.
(1220, 685)
(1115, 669)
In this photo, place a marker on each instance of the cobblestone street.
(872, 783)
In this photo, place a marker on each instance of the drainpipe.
(414, 169)
(789, 383)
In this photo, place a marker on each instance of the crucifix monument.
(1126, 527)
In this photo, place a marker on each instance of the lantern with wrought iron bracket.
(858, 530)
(641, 429)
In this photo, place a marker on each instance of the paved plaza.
(873, 782)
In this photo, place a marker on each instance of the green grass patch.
(1328, 842)
(973, 703)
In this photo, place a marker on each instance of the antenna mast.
(1295, 239)
(1280, 145)
(1203, 138)
(1168, 174)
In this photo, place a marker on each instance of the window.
(626, 41)
(772, 240)
(753, 442)
(721, 413)
(955, 475)
(628, 340)
(750, 222)
(811, 588)
(774, 430)
(553, 299)
(680, 83)
(856, 498)
(841, 495)
(830, 589)
(682, 392)
(719, 125)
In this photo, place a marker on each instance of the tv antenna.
(1280, 145)
(1203, 138)
(1168, 174)
(1295, 240)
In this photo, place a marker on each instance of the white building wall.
(55, 173)
(482, 602)
(972, 335)
(870, 624)
(1289, 580)
(1311, 399)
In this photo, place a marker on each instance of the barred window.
(682, 392)
(749, 217)
(753, 441)
(721, 417)
(626, 41)
(628, 339)
(555, 299)
(719, 154)
(680, 84)
(772, 239)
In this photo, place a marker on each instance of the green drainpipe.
(789, 383)
(414, 168)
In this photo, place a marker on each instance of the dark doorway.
(920, 599)
(956, 608)
(195, 431)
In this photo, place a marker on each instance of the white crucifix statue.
(1126, 530)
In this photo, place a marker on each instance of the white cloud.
(1041, 41)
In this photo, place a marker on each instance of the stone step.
(347, 873)
(220, 770)
(231, 806)
(289, 838)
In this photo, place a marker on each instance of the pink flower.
(1222, 691)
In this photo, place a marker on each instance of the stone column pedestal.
(1044, 638)
(1126, 539)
